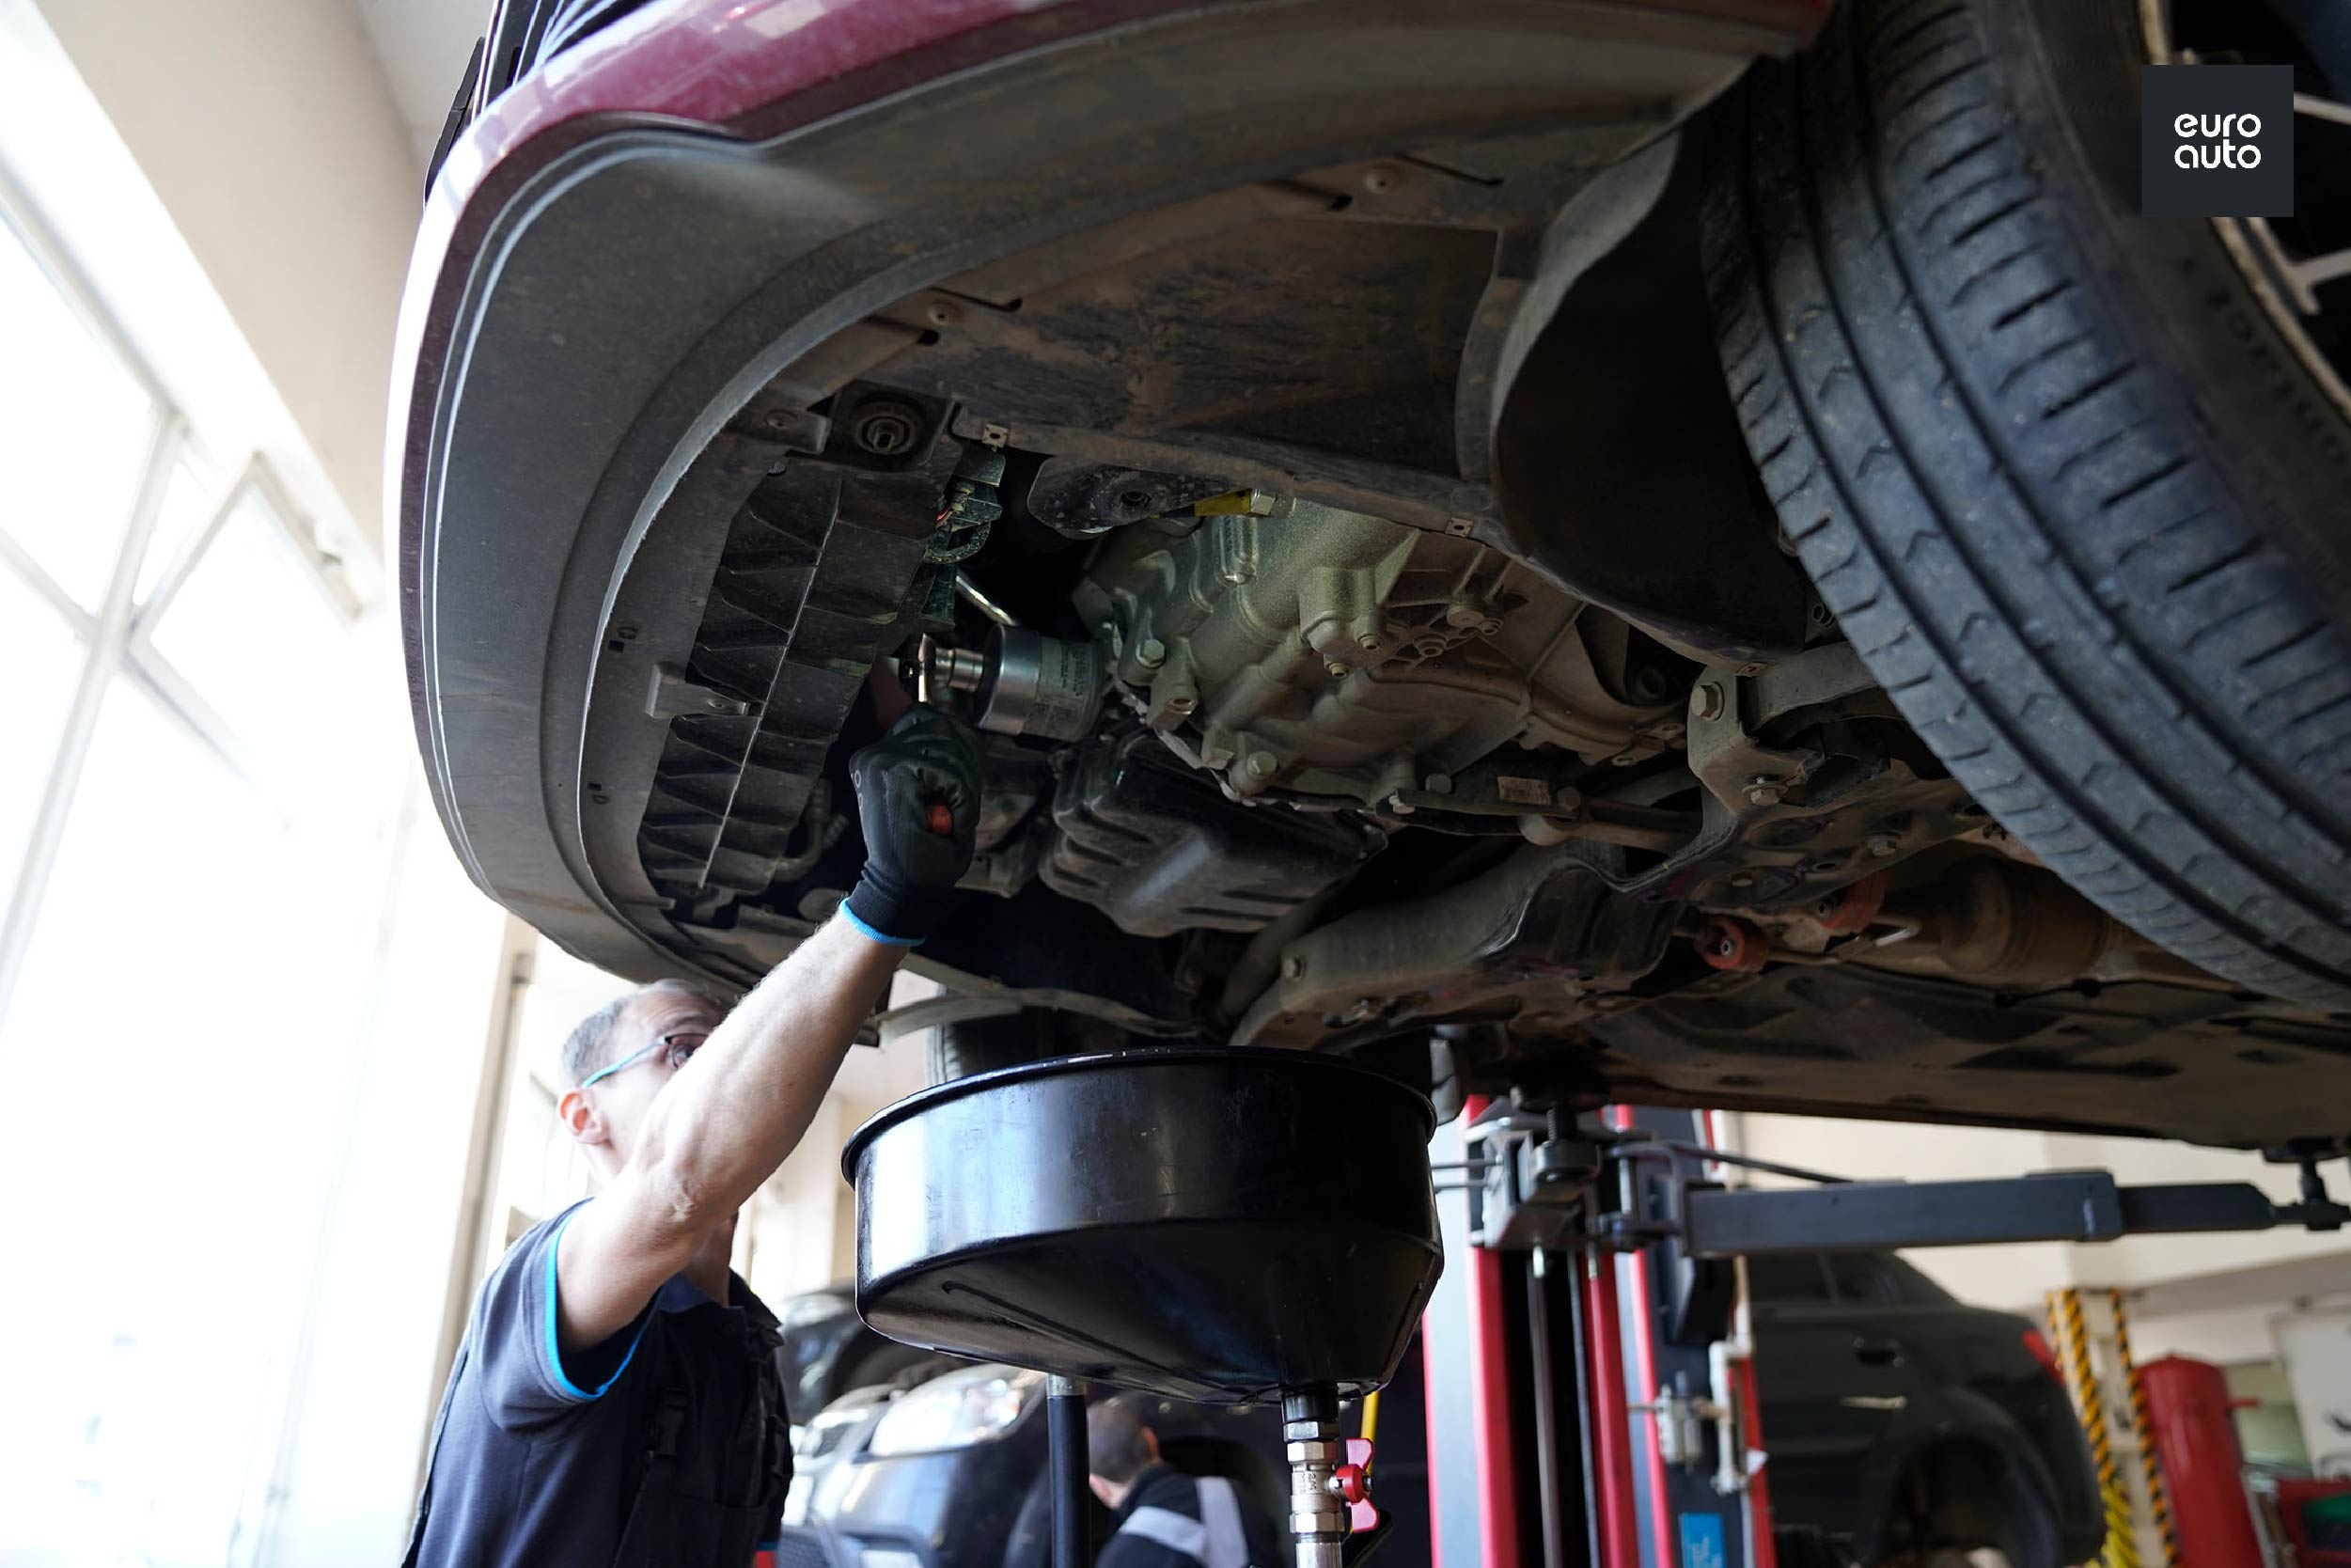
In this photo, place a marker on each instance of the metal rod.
(1065, 1440)
(1744, 1162)
(981, 602)
(1553, 1506)
(1579, 1264)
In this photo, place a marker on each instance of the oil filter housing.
(1028, 683)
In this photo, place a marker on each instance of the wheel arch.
(1942, 1472)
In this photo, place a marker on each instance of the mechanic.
(1160, 1517)
(617, 1398)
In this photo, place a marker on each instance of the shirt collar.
(1146, 1479)
(680, 1294)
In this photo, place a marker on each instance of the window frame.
(116, 640)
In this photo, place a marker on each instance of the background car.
(950, 1472)
(1906, 1426)
(828, 1350)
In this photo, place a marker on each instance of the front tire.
(2077, 504)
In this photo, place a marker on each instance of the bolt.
(1262, 764)
(1463, 615)
(1367, 641)
(1883, 844)
(1742, 879)
(886, 427)
(1824, 909)
(1489, 628)
(1293, 966)
(940, 313)
(1338, 670)
(1623, 760)
(1440, 784)
(1380, 179)
(1706, 702)
(1764, 794)
(1150, 652)
(777, 419)
(1184, 704)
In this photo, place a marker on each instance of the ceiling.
(423, 45)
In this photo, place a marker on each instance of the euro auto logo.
(2217, 141)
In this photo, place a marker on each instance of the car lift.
(1623, 1209)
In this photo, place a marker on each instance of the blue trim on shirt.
(850, 916)
(554, 1351)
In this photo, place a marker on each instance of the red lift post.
(1642, 1446)
(1567, 1349)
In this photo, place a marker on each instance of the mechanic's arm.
(735, 1112)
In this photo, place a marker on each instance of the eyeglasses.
(680, 1047)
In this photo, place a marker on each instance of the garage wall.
(298, 196)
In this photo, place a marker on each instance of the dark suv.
(1888, 1402)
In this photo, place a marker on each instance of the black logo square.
(2216, 141)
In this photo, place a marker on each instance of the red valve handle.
(942, 820)
(1349, 1480)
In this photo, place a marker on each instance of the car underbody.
(1326, 501)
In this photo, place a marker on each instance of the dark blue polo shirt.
(670, 1437)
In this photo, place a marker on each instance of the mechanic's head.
(1119, 1446)
(622, 1055)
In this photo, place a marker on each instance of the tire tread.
(2016, 525)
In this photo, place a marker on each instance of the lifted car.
(1695, 551)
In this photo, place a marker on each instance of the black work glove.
(918, 801)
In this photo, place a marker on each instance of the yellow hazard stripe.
(2150, 1463)
(2072, 1338)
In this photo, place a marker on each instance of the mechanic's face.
(661, 1031)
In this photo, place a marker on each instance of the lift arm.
(2063, 1205)
(1535, 1182)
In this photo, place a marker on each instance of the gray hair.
(1115, 1447)
(589, 1046)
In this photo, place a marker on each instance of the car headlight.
(966, 1407)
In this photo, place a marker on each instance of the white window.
(208, 798)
